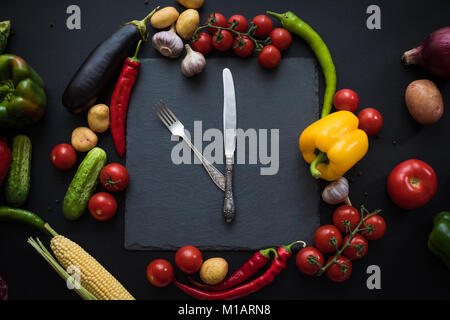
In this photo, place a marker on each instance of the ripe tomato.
(339, 272)
(370, 121)
(346, 99)
(222, 40)
(203, 44)
(264, 26)
(219, 20)
(357, 248)
(63, 156)
(412, 184)
(269, 57)
(375, 227)
(246, 49)
(189, 259)
(309, 260)
(242, 23)
(102, 206)
(327, 238)
(160, 273)
(114, 177)
(281, 38)
(346, 218)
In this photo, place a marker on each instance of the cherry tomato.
(412, 184)
(281, 38)
(189, 259)
(114, 177)
(346, 99)
(63, 156)
(264, 26)
(375, 227)
(357, 248)
(160, 273)
(242, 23)
(346, 218)
(222, 40)
(102, 206)
(309, 260)
(203, 44)
(327, 238)
(339, 272)
(370, 121)
(246, 49)
(269, 57)
(219, 21)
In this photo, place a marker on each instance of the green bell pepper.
(439, 239)
(22, 96)
(5, 27)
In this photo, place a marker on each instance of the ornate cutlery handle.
(229, 210)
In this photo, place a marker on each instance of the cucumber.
(18, 183)
(83, 184)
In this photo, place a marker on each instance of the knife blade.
(229, 137)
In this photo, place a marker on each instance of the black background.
(366, 61)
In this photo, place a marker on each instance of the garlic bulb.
(193, 63)
(168, 43)
(337, 192)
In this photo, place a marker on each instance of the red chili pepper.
(278, 264)
(120, 99)
(248, 269)
(5, 159)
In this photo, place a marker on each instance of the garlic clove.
(337, 192)
(168, 43)
(193, 63)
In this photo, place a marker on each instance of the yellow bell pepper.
(333, 144)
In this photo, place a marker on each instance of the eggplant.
(98, 69)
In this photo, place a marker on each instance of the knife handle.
(229, 210)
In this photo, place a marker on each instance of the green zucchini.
(18, 183)
(83, 184)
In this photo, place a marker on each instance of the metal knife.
(229, 139)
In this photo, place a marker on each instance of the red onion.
(433, 54)
(3, 288)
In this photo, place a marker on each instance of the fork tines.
(165, 114)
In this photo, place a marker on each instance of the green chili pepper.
(5, 27)
(24, 216)
(439, 239)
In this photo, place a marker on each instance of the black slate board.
(171, 205)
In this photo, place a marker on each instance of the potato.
(164, 18)
(424, 101)
(191, 4)
(84, 139)
(98, 118)
(187, 23)
(213, 270)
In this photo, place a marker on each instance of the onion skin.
(433, 54)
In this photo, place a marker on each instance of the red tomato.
(281, 38)
(203, 44)
(242, 23)
(160, 273)
(309, 260)
(264, 26)
(189, 259)
(412, 184)
(218, 20)
(114, 177)
(337, 272)
(246, 49)
(102, 206)
(370, 121)
(63, 156)
(346, 218)
(346, 99)
(269, 57)
(375, 227)
(327, 238)
(222, 40)
(357, 248)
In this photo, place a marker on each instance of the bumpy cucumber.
(83, 184)
(18, 183)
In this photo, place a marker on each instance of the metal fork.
(177, 129)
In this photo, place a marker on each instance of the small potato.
(424, 101)
(213, 270)
(98, 118)
(164, 18)
(187, 23)
(191, 4)
(84, 139)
